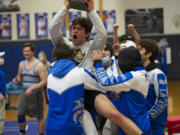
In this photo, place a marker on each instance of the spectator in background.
(33, 76)
(42, 57)
(2, 94)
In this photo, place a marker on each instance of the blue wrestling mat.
(11, 128)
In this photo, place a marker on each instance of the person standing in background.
(2, 94)
(32, 74)
(42, 57)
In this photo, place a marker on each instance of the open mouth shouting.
(75, 37)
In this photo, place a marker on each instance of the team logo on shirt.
(78, 55)
(78, 111)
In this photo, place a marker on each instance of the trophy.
(79, 4)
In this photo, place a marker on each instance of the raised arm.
(115, 35)
(56, 24)
(101, 34)
(134, 32)
(116, 45)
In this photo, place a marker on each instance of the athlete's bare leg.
(105, 107)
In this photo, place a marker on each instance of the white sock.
(88, 124)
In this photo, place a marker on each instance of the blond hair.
(44, 61)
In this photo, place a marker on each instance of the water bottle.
(165, 131)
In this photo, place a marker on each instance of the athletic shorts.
(89, 99)
(31, 105)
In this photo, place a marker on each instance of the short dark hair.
(84, 23)
(30, 45)
(150, 46)
(62, 51)
(126, 37)
(129, 58)
(108, 47)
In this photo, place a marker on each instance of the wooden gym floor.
(173, 105)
